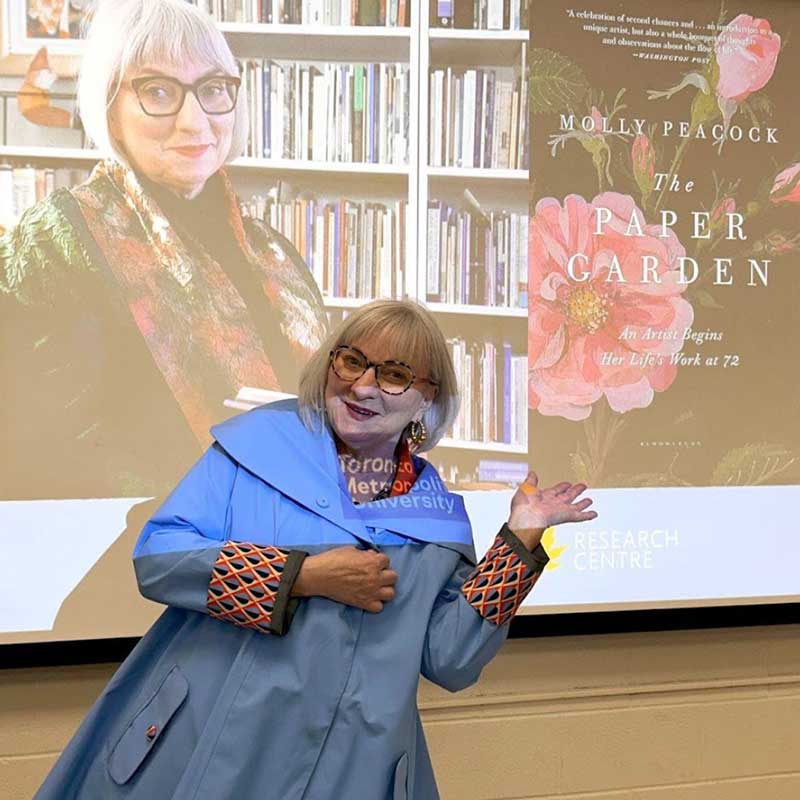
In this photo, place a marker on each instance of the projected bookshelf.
(387, 93)
(475, 257)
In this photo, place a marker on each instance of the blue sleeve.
(471, 615)
(184, 557)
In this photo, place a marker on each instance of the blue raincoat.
(278, 697)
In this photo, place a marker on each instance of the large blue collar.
(273, 443)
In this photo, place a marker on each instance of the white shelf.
(329, 31)
(475, 310)
(476, 173)
(344, 302)
(489, 447)
(309, 42)
(292, 165)
(59, 153)
(267, 165)
(465, 46)
(318, 42)
(470, 34)
(436, 308)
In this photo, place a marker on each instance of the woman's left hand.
(534, 509)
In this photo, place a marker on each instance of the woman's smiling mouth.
(358, 412)
(192, 151)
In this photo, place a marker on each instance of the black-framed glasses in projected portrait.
(163, 96)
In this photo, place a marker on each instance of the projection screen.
(663, 235)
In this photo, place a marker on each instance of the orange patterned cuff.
(251, 586)
(500, 582)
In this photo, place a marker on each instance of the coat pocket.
(400, 790)
(146, 728)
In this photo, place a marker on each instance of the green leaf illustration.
(758, 108)
(752, 464)
(580, 468)
(705, 298)
(557, 83)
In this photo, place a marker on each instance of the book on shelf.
(441, 13)
(328, 112)
(384, 13)
(23, 186)
(493, 383)
(354, 249)
(476, 258)
(493, 15)
(478, 118)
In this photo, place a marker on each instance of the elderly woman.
(132, 306)
(313, 566)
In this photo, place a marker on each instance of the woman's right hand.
(348, 575)
(533, 510)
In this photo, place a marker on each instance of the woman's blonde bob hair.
(124, 34)
(411, 334)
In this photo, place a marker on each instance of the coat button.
(151, 733)
(322, 502)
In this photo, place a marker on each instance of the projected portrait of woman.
(134, 305)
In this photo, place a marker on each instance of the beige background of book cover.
(756, 403)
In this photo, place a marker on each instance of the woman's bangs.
(182, 41)
(404, 340)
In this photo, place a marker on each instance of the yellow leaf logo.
(554, 550)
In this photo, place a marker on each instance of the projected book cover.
(664, 247)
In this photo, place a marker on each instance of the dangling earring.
(417, 434)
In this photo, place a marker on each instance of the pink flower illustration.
(786, 188)
(747, 51)
(778, 243)
(597, 122)
(725, 206)
(595, 327)
(643, 157)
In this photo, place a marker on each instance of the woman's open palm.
(532, 507)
